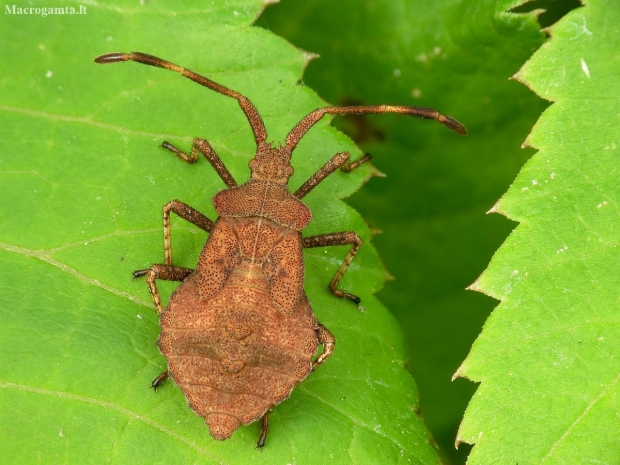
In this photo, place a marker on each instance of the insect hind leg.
(160, 379)
(328, 341)
(264, 427)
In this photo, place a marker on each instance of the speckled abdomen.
(235, 354)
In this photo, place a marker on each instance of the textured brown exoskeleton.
(239, 332)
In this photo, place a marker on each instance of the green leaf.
(83, 183)
(547, 358)
(456, 56)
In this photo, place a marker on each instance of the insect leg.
(332, 239)
(187, 213)
(160, 379)
(340, 160)
(202, 146)
(264, 426)
(165, 272)
(327, 340)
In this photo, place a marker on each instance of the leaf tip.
(309, 56)
(374, 231)
(518, 76)
(459, 440)
(494, 208)
(497, 208)
(270, 2)
(477, 287)
(377, 173)
(474, 286)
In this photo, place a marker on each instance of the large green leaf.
(547, 358)
(83, 183)
(456, 56)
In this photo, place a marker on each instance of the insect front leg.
(340, 160)
(202, 146)
(333, 239)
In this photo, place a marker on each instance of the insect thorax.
(264, 199)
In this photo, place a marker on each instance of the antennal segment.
(258, 127)
(313, 117)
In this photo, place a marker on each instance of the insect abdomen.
(235, 355)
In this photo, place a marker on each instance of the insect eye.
(253, 164)
(289, 171)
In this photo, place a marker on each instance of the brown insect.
(239, 333)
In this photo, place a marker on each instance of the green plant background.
(547, 358)
(83, 182)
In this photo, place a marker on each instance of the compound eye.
(253, 164)
(289, 171)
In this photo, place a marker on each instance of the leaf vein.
(45, 257)
(570, 429)
(125, 411)
(356, 421)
